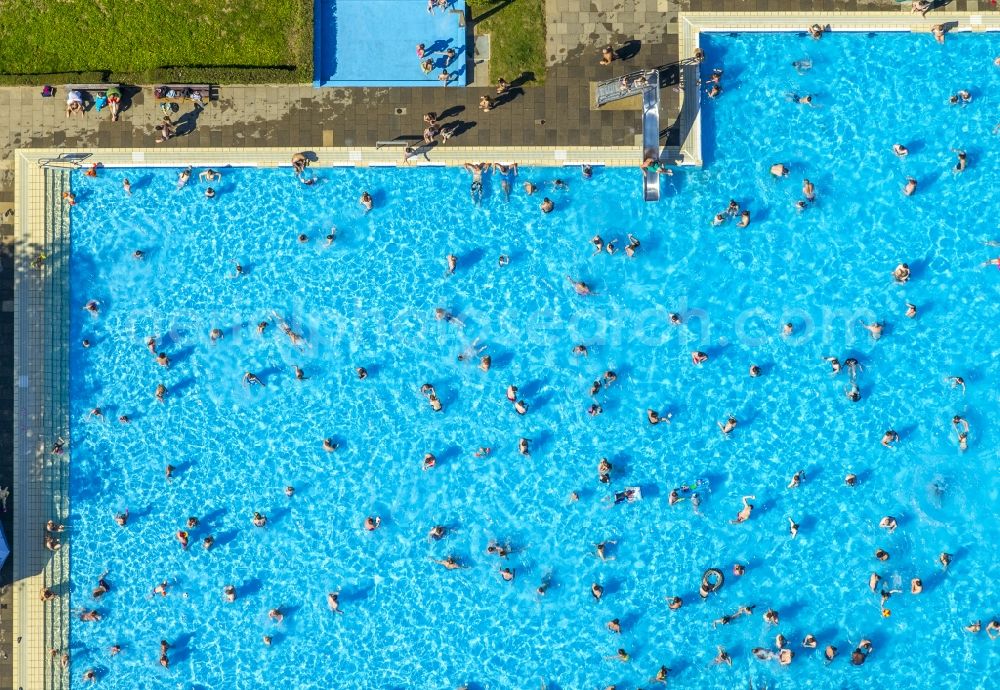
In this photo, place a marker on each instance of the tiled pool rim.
(41, 327)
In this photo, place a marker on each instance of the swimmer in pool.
(957, 382)
(441, 314)
(962, 161)
(655, 417)
(498, 549)
(580, 287)
(251, 379)
(632, 245)
(745, 511)
(889, 437)
(600, 550)
(808, 190)
(476, 188)
(875, 329)
(728, 427)
(911, 186)
(853, 392)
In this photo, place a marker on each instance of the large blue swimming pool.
(369, 299)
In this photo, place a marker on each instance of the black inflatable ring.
(711, 581)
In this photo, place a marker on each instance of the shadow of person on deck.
(187, 122)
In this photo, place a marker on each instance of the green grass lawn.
(517, 36)
(136, 36)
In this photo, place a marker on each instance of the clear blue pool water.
(373, 43)
(369, 300)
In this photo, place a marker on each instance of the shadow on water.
(209, 518)
(182, 355)
(180, 648)
(249, 588)
(177, 388)
(269, 373)
(141, 182)
(531, 389)
(448, 455)
(540, 441)
(181, 468)
(502, 360)
(649, 491)
(277, 515)
(438, 46)
(470, 259)
(358, 592)
(226, 537)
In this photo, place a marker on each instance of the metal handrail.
(64, 160)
